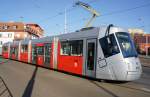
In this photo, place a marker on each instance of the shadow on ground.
(29, 87)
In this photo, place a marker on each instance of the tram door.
(47, 52)
(11, 52)
(91, 58)
(40, 54)
(34, 55)
(14, 53)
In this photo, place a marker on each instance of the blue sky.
(47, 13)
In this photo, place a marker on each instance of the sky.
(49, 14)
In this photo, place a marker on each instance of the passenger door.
(11, 52)
(91, 58)
(47, 52)
(34, 55)
(16, 53)
(40, 54)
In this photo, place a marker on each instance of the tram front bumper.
(133, 75)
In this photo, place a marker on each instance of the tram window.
(24, 48)
(76, 48)
(40, 50)
(72, 48)
(65, 48)
(5, 48)
(47, 49)
(14, 50)
(34, 50)
(109, 45)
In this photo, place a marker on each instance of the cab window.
(109, 45)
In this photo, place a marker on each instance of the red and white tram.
(98, 52)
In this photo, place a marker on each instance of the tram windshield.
(126, 44)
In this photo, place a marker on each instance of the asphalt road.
(24, 80)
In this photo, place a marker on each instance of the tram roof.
(93, 32)
(43, 40)
(81, 34)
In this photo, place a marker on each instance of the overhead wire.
(117, 12)
(63, 12)
(126, 10)
(72, 8)
(106, 14)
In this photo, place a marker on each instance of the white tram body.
(124, 64)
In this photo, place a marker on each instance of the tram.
(105, 52)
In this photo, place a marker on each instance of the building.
(141, 40)
(135, 31)
(34, 30)
(11, 31)
(142, 43)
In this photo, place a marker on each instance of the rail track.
(139, 86)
